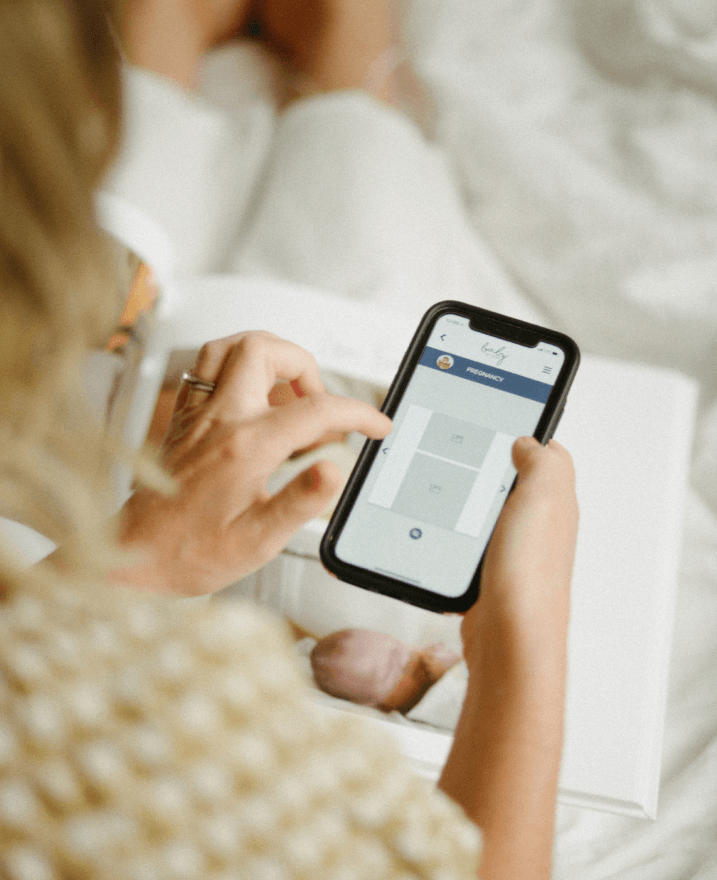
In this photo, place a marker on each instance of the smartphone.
(420, 506)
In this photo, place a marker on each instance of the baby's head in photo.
(376, 669)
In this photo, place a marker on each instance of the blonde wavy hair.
(59, 127)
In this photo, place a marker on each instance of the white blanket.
(584, 136)
(575, 143)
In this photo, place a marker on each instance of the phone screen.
(434, 491)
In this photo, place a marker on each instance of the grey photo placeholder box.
(460, 441)
(434, 491)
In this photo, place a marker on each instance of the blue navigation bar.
(485, 375)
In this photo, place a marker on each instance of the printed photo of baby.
(373, 669)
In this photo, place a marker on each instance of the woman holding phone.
(141, 737)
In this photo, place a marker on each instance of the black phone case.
(500, 326)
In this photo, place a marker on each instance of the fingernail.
(313, 478)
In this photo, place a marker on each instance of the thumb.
(305, 497)
(544, 470)
(525, 451)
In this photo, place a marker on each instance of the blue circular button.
(415, 533)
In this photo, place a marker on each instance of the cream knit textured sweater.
(144, 739)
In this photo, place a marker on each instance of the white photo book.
(629, 429)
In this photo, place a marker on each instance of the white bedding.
(585, 136)
(582, 135)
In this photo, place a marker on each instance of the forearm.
(504, 764)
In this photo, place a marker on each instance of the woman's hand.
(504, 763)
(525, 583)
(221, 523)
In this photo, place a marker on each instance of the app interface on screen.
(431, 499)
